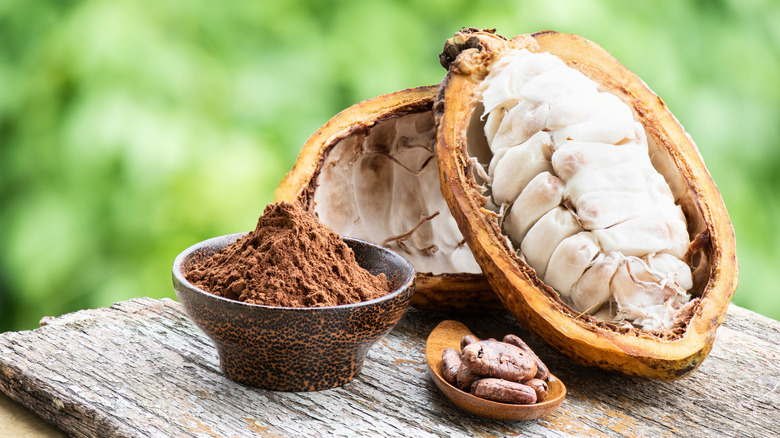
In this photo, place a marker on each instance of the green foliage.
(131, 129)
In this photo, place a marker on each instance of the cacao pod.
(474, 147)
(371, 173)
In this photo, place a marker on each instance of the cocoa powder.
(290, 260)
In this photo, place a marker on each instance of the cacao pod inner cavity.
(381, 183)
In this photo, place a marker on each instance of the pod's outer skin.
(666, 355)
(456, 291)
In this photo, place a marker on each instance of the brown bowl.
(295, 348)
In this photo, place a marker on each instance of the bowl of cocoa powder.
(291, 305)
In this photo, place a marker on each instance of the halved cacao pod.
(371, 173)
(665, 354)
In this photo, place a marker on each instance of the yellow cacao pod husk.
(666, 354)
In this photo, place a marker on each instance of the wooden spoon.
(448, 335)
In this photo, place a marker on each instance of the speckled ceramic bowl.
(292, 348)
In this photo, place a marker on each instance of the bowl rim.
(179, 277)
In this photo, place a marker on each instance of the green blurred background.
(132, 129)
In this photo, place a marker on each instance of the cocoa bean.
(450, 364)
(468, 339)
(541, 369)
(503, 391)
(540, 386)
(499, 360)
(465, 377)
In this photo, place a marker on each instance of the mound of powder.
(290, 260)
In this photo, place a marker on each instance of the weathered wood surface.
(141, 368)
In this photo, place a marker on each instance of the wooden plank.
(141, 368)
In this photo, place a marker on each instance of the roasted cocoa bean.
(503, 391)
(465, 377)
(499, 360)
(541, 369)
(468, 339)
(540, 386)
(450, 364)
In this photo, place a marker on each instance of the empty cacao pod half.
(371, 173)
(584, 201)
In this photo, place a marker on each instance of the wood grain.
(141, 368)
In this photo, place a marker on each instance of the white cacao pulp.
(583, 204)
